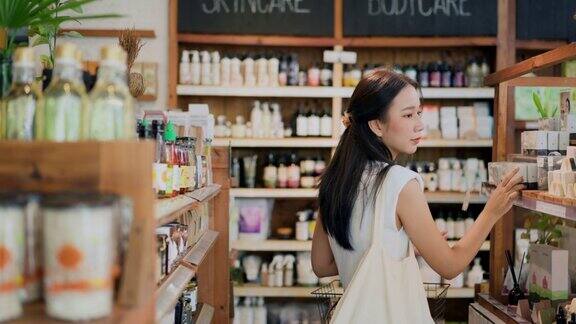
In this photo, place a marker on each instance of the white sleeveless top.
(395, 241)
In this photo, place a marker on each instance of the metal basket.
(327, 297)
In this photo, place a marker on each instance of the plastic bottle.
(256, 120)
(206, 74)
(215, 68)
(475, 275)
(313, 123)
(185, 68)
(195, 68)
(326, 124)
(302, 226)
(260, 312)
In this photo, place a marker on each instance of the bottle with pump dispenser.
(185, 68)
(66, 106)
(225, 72)
(289, 270)
(273, 70)
(22, 113)
(260, 312)
(206, 69)
(112, 114)
(476, 275)
(215, 68)
(266, 120)
(195, 68)
(256, 120)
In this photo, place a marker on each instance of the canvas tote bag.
(384, 290)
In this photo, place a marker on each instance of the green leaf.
(39, 40)
(46, 61)
(538, 104)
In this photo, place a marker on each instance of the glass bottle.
(65, 101)
(171, 160)
(22, 111)
(423, 76)
(112, 114)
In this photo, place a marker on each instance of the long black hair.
(358, 148)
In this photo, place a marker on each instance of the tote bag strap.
(387, 200)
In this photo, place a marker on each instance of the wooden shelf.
(170, 209)
(273, 193)
(315, 142)
(114, 33)
(301, 41)
(322, 92)
(418, 42)
(271, 245)
(254, 290)
(433, 197)
(204, 314)
(293, 245)
(256, 40)
(539, 45)
(501, 311)
(455, 143)
(172, 286)
(556, 209)
(36, 313)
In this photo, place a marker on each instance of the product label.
(161, 178)
(168, 176)
(176, 178)
(20, 118)
(63, 118)
(107, 119)
(185, 177)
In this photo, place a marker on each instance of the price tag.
(552, 209)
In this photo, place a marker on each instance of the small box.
(466, 111)
(541, 147)
(553, 138)
(548, 276)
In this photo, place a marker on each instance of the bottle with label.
(314, 76)
(266, 120)
(273, 70)
(262, 72)
(260, 312)
(185, 72)
(171, 160)
(277, 124)
(112, 113)
(225, 71)
(206, 70)
(326, 124)
(423, 76)
(302, 226)
(282, 173)
(256, 120)
(355, 75)
(293, 172)
(23, 103)
(446, 75)
(236, 78)
(458, 77)
(313, 123)
(162, 175)
(215, 68)
(65, 100)
(195, 68)
(301, 123)
(249, 68)
(435, 75)
(283, 71)
(319, 167)
(293, 69)
(235, 173)
(270, 173)
(307, 173)
(326, 75)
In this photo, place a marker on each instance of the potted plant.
(547, 108)
(43, 19)
(547, 227)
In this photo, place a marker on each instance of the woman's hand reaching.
(502, 198)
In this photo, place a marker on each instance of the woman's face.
(403, 129)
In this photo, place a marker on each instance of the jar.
(32, 289)
(12, 211)
(80, 255)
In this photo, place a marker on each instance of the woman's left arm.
(323, 262)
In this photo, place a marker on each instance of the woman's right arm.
(415, 217)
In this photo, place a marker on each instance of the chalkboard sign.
(257, 17)
(550, 19)
(420, 17)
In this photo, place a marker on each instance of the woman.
(372, 210)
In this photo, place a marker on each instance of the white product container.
(80, 254)
(11, 255)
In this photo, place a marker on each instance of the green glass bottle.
(22, 112)
(65, 99)
(112, 112)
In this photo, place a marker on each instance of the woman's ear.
(377, 127)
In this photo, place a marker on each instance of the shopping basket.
(327, 297)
